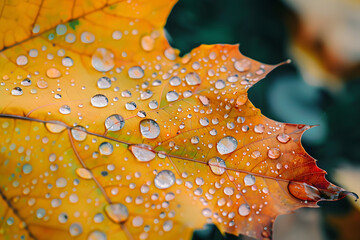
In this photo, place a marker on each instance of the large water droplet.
(227, 145)
(244, 209)
(75, 229)
(53, 73)
(249, 180)
(146, 95)
(217, 165)
(27, 168)
(241, 99)
(175, 81)
(99, 100)
(164, 179)
(16, 91)
(220, 84)
(103, 60)
(104, 83)
(67, 62)
(79, 133)
(274, 153)
(192, 79)
(114, 122)
(22, 60)
(153, 104)
(83, 173)
(168, 225)
(136, 72)
(172, 96)
(242, 65)
(55, 126)
(259, 128)
(131, 106)
(65, 109)
(97, 235)
(106, 148)
(26, 82)
(117, 212)
(303, 191)
(283, 138)
(149, 128)
(147, 43)
(142, 152)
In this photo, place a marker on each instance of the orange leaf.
(106, 133)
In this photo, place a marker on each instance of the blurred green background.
(321, 86)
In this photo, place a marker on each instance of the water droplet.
(136, 72)
(106, 148)
(283, 138)
(103, 60)
(142, 152)
(146, 95)
(204, 100)
(204, 121)
(61, 182)
(16, 91)
(53, 73)
(117, 212)
(63, 217)
(27, 168)
(67, 62)
(170, 54)
(195, 140)
(22, 60)
(233, 78)
(192, 79)
(229, 191)
(87, 37)
(131, 106)
(137, 221)
(65, 109)
(164, 179)
(149, 128)
(249, 180)
(99, 100)
(83, 173)
(116, 35)
(75, 229)
(153, 104)
(175, 81)
(55, 127)
(217, 165)
(97, 235)
(303, 191)
(61, 29)
(172, 96)
(241, 99)
(79, 133)
(227, 145)
(104, 83)
(147, 43)
(220, 84)
(244, 210)
(26, 82)
(168, 225)
(242, 65)
(40, 213)
(274, 153)
(114, 122)
(259, 128)
(206, 212)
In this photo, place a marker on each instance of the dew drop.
(65, 109)
(99, 100)
(103, 60)
(227, 145)
(83, 173)
(116, 35)
(131, 106)
(27, 168)
(136, 72)
(242, 65)
(274, 153)
(241, 99)
(53, 73)
(164, 179)
(146, 95)
(195, 140)
(283, 138)
(104, 83)
(206, 212)
(259, 128)
(149, 128)
(87, 37)
(172, 96)
(75, 229)
(22, 60)
(55, 127)
(229, 191)
(147, 43)
(67, 62)
(106, 148)
(153, 104)
(26, 82)
(168, 225)
(114, 122)
(142, 152)
(217, 165)
(249, 180)
(97, 235)
(192, 79)
(79, 133)
(175, 81)
(117, 212)
(16, 91)
(244, 210)
(220, 84)
(303, 191)
(137, 221)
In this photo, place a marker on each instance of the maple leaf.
(106, 133)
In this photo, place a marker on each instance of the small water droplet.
(53, 73)
(142, 152)
(136, 72)
(17, 91)
(146, 95)
(249, 180)
(242, 65)
(131, 106)
(116, 35)
(217, 165)
(153, 104)
(67, 62)
(274, 153)
(106, 148)
(175, 81)
(117, 212)
(170, 54)
(283, 138)
(192, 79)
(259, 128)
(79, 133)
(204, 100)
(22, 60)
(227, 145)
(244, 209)
(87, 37)
(241, 99)
(220, 84)
(149, 128)
(206, 212)
(26, 82)
(97, 235)
(164, 179)
(172, 96)
(168, 225)
(103, 60)
(99, 100)
(27, 168)
(147, 43)
(195, 140)
(61, 29)
(104, 83)
(114, 122)
(229, 191)
(75, 229)
(65, 109)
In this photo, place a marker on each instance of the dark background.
(266, 31)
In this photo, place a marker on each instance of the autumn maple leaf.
(106, 133)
